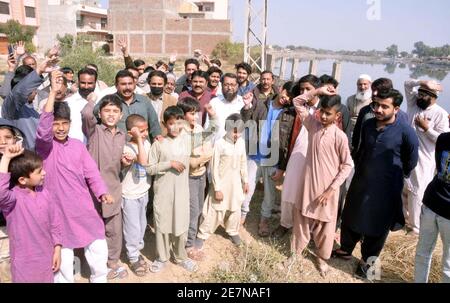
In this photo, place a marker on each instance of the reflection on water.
(397, 72)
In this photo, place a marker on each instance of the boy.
(200, 156)
(34, 225)
(72, 174)
(328, 164)
(135, 187)
(105, 144)
(229, 184)
(171, 188)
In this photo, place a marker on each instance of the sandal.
(142, 261)
(339, 253)
(196, 254)
(189, 265)
(118, 272)
(157, 266)
(138, 268)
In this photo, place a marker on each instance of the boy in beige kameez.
(229, 184)
(168, 161)
(328, 164)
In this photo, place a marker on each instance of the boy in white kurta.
(168, 161)
(229, 185)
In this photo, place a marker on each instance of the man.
(388, 153)
(226, 104)
(160, 101)
(429, 120)
(199, 92)
(265, 90)
(362, 98)
(29, 61)
(112, 89)
(184, 82)
(243, 72)
(87, 79)
(134, 104)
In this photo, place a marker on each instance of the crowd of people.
(81, 161)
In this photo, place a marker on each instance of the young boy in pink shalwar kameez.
(72, 174)
(328, 164)
(32, 219)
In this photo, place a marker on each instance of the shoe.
(198, 244)
(280, 232)
(263, 228)
(361, 270)
(195, 254)
(339, 253)
(236, 240)
(157, 266)
(189, 265)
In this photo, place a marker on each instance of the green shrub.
(16, 32)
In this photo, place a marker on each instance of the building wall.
(156, 29)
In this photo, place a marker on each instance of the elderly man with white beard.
(362, 98)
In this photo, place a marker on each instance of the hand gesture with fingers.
(13, 151)
(20, 48)
(326, 90)
(173, 58)
(123, 47)
(57, 80)
(433, 85)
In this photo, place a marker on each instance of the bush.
(16, 32)
(82, 54)
(232, 52)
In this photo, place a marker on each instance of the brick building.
(161, 27)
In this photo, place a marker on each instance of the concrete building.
(74, 17)
(26, 12)
(162, 27)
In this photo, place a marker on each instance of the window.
(30, 12)
(80, 21)
(104, 22)
(205, 6)
(4, 8)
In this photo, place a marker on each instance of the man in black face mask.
(429, 120)
(158, 98)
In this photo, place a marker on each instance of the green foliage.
(66, 42)
(392, 51)
(232, 52)
(82, 54)
(17, 32)
(423, 50)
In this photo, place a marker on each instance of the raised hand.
(210, 110)
(173, 58)
(11, 63)
(13, 151)
(135, 132)
(326, 90)
(53, 53)
(433, 85)
(123, 47)
(57, 80)
(20, 48)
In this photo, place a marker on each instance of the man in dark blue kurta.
(388, 153)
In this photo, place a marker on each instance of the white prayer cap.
(365, 77)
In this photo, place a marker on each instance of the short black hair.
(173, 112)
(201, 74)
(61, 111)
(132, 120)
(87, 71)
(24, 165)
(149, 69)
(311, 79)
(138, 62)
(234, 121)
(129, 68)
(214, 69)
(327, 79)
(266, 72)
(382, 84)
(113, 99)
(289, 87)
(157, 73)
(330, 102)
(20, 73)
(191, 61)
(394, 94)
(66, 70)
(229, 75)
(247, 67)
(189, 105)
(123, 74)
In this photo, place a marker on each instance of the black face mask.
(156, 91)
(84, 92)
(423, 103)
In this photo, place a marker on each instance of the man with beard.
(388, 153)
(226, 104)
(160, 101)
(134, 104)
(87, 79)
(199, 92)
(362, 98)
(265, 90)
(184, 82)
(243, 72)
(429, 120)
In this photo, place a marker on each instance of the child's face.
(6, 138)
(174, 127)
(191, 117)
(284, 98)
(328, 116)
(235, 134)
(110, 115)
(61, 129)
(143, 128)
(36, 178)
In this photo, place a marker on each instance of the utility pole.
(256, 34)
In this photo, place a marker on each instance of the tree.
(392, 51)
(404, 54)
(66, 42)
(291, 47)
(17, 32)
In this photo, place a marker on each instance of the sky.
(349, 24)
